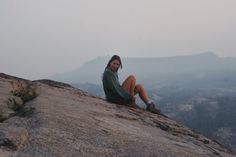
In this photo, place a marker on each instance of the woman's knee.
(129, 82)
(132, 78)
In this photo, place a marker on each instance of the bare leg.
(129, 84)
(142, 93)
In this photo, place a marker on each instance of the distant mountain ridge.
(159, 72)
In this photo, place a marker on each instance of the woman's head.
(114, 63)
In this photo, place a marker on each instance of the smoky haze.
(41, 38)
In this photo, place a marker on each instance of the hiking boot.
(151, 108)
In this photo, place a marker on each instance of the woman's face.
(114, 66)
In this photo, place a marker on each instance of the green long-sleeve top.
(112, 88)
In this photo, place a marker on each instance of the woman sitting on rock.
(123, 94)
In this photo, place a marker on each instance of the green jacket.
(112, 88)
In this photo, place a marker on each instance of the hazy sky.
(39, 38)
